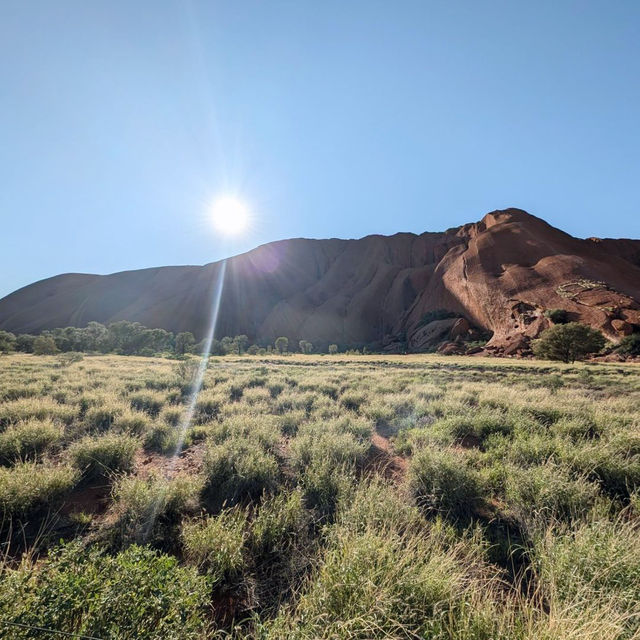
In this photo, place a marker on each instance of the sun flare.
(230, 215)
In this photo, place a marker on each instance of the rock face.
(498, 275)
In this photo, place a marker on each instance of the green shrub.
(102, 456)
(275, 389)
(44, 346)
(611, 464)
(353, 401)
(238, 470)
(206, 411)
(336, 448)
(593, 566)
(557, 316)
(280, 522)
(323, 484)
(29, 439)
(28, 487)
(133, 422)
(568, 342)
(384, 582)
(146, 402)
(163, 438)
(216, 544)
(148, 509)
(548, 492)
(440, 480)
(38, 408)
(101, 418)
(630, 345)
(135, 594)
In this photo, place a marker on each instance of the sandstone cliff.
(497, 276)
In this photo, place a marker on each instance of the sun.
(230, 215)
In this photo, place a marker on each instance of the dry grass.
(327, 496)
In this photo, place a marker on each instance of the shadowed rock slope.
(498, 275)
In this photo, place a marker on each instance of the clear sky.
(120, 122)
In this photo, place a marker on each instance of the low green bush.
(76, 590)
(135, 423)
(28, 440)
(216, 544)
(149, 509)
(238, 470)
(593, 566)
(548, 492)
(28, 487)
(281, 521)
(102, 456)
(147, 402)
(101, 418)
(440, 480)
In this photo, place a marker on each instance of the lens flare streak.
(196, 386)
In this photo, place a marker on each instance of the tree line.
(132, 338)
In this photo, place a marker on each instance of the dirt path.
(189, 461)
(385, 461)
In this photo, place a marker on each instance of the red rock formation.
(499, 274)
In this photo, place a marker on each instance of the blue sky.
(121, 121)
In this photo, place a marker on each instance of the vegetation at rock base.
(316, 497)
(568, 342)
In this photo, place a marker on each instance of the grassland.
(320, 497)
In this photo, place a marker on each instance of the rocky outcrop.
(498, 276)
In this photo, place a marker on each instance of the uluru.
(405, 292)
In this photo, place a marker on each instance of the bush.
(150, 404)
(101, 418)
(557, 316)
(323, 484)
(216, 544)
(441, 481)
(630, 345)
(238, 470)
(135, 594)
(206, 411)
(548, 492)
(44, 346)
(282, 344)
(101, 456)
(28, 440)
(568, 342)
(163, 438)
(27, 487)
(281, 520)
(385, 579)
(335, 447)
(333, 349)
(69, 357)
(133, 422)
(148, 509)
(593, 566)
(7, 342)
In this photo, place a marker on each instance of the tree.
(305, 346)
(568, 342)
(24, 342)
(184, 342)
(242, 342)
(44, 346)
(7, 341)
(630, 345)
(229, 346)
(282, 344)
(333, 349)
(253, 350)
(96, 337)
